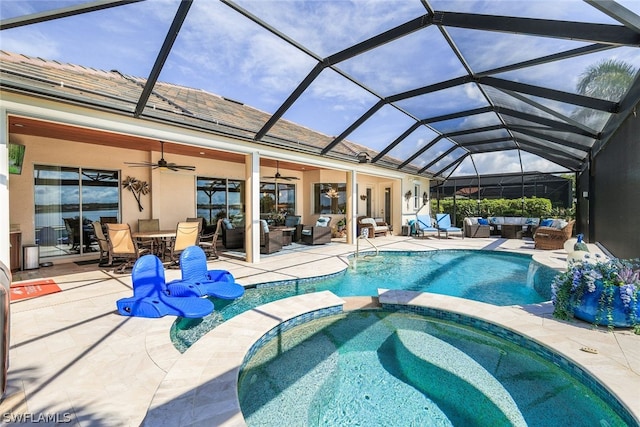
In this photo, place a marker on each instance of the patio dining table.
(158, 239)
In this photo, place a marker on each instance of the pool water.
(380, 368)
(499, 278)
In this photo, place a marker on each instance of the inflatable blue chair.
(197, 281)
(150, 297)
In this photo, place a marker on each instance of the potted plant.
(598, 290)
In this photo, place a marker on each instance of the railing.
(365, 236)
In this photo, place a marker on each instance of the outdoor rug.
(32, 289)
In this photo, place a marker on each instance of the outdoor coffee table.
(286, 234)
(511, 231)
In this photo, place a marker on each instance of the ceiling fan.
(278, 176)
(162, 163)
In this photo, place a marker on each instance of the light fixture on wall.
(364, 157)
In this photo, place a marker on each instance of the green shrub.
(534, 207)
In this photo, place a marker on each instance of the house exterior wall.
(172, 196)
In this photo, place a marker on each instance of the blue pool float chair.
(150, 298)
(198, 281)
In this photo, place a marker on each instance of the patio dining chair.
(149, 225)
(187, 234)
(123, 246)
(103, 244)
(207, 240)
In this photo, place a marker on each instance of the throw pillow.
(546, 223)
(322, 221)
(227, 224)
(483, 221)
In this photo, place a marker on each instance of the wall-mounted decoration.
(363, 197)
(407, 197)
(137, 187)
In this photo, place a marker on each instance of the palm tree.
(609, 79)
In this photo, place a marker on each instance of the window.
(330, 198)
(277, 199)
(218, 198)
(67, 201)
(416, 197)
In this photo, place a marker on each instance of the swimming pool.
(499, 278)
(389, 368)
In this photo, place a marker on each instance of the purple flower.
(626, 293)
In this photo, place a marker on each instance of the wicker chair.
(318, 234)
(270, 240)
(232, 236)
(549, 238)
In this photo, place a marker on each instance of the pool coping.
(202, 384)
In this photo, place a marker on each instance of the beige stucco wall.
(172, 197)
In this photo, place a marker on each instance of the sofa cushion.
(546, 223)
(559, 223)
(369, 221)
(227, 224)
(532, 221)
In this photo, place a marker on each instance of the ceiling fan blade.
(139, 165)
(174, 166)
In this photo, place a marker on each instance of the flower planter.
(589, 307)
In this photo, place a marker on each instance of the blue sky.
(222, 52)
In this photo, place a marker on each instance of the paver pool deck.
(74, 358)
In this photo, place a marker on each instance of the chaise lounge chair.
(443, 223)
(197, 281)
(150, 298)
(424, 224)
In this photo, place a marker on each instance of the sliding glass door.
(67, 200)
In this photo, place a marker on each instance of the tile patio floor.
(73, 357)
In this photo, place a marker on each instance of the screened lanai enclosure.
(436, 88)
